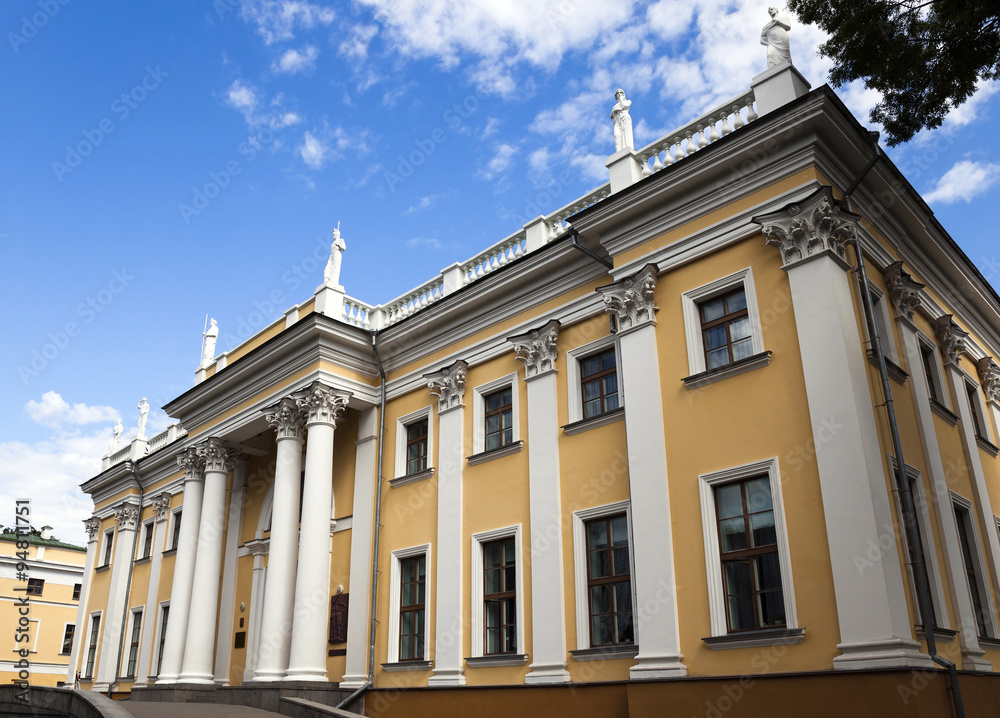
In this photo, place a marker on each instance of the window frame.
(135, 641)
(713, 555)
(691, 301)
(176, 520)
(574, 378)
(77, 591)
(93, 644)
(477, 578)
(107, 547)
(69, 633)
(479, 414)
(967, 524)
(163, 619)
(35, 587)
(395, 598)
(936, 392)
(883, 319)
(402, 423)
(147, 539)
(582, 575)
(977, 409)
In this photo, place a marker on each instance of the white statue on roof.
(143, 413)
(116, 435)
(775, 37)
(622, 121)
(331, 275)
(211, 337)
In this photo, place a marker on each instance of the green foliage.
(924, 57)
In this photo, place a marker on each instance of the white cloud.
(356, 45)
(242, 96)
(963, 182)
(277, 20)
(424, 243)
(293, 61)
(248, 100)
(56, 412)
(492, 125)
(314, 151)
(968, 112)
(501, 161)
(423, 204)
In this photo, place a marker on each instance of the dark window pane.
(715, 337)
(762, 529)
(597, 535)
(737, 577)
(729, 501)
(758, 495)
(741, 613)
(733, 534)
(712, 310)
(735, 302)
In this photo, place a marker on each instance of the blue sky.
(167, 160)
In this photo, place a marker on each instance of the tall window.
(416, 446)
(915, 492)
(412, 616)
(599, 380)
(971, 569)
(177, 531)
(133, 648)
(95, 635)
(978, 425)
(609, 581)
(927, 359)
(163, 638)
(147, 539)
(67, 644)
(35, 586)
(751, 571)
(499, 418)
(725, 327)
(500, 597)
(77, 587)
(109, 540)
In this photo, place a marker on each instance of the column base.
(100, 687)
(447, 677)
(353, 683)
(653, 667)
(550, 673)
(166, 679)
(201, 679)
(306, 674)
(268, 676)
(975, 662)
(889, 653)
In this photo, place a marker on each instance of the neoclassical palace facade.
(635, 454)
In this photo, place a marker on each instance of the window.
(35, 586)
(165, 614)
(109, 539)
(496, 418)
(746, 550)
(973, 566)
(883, 321)
(609, 581)
(77, 587)
(496, 627)
(599, 383)
(176, 536)
(600, 392)
(499, 413)
(95, 635)
(978, 424)
(133, 648)
(932, 372)
(409, 604)
(722, 323)
(416, 446)
(147, 539)
(67, 644)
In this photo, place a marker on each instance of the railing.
(413, 301)
(499, 255)
(556, 222)
(167, 436)
(121, 455)
(357, 313)
(681, 143)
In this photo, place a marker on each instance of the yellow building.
(40, 583)
(634, 455)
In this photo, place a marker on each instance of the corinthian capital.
(904, 291)
(805, 229)
(192, 463)
(217, 457)
(538, 349)
(951, 338)
(92, 527)
(161, 505)
(127, 515)
(989, 375)
(448, 385)
(323, 405)
(632, 300)
(286, 418)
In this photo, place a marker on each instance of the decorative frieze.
(816, 225)
(286, 418)
(904, 291)
(192, 463)
(127, 515)
(217, 456)
(448, 385)
(93, 527)
(632, 300)
(951, 338)
(161, 505)
(538, 349)
(322, 405)
(989, 376)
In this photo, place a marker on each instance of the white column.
(234, 516)
(161, 507)
(307, 662)
(127, 516)
(356, 670)
(538, 350)
(449, 387)
(904, 293)
(258, 582)
(93, 527)
(187, 545)
(275, 635)
(199, 652)
(875, 629)
(632, 301)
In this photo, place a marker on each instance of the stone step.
(302, 708)
(150, 709)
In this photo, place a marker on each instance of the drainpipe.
(378, 528)
(576, 245)
(128, 582)
(902, 482)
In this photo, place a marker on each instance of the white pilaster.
(875, 630)
(234, 518)
(323, 408)
(258, 581)
(127, 516)
(200, 649)
(356, 670)
(632, 301)
(274, 637)
(538, 349)
(93, 527)
(161, 509)
(449, 387)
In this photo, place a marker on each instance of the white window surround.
(941, 386)
(394, 599)
(20, 645)
(402, 422)
(580, 518)
(984, 588)
(85, 645)
(170, 527)
(979, 409)
(479, 412)
(155, 660)
(108, 539)
(150, 527)
(62, 640)
(574, 378)
(713, 556)
(692, 317)
(884, 320)
(136, 612)
(478, 540)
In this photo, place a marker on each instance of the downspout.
(576, 245)
(902, 482)
(378, 527)
(128, 583)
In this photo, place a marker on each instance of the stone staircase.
(304, 700)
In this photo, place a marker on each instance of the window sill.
(495, 453)
(711, 376)
(944, 412)
(941, 635)
(754, 639)
(895, 370)
(105, 567)
(86, 679)
(411, 478)
(407, 666)
(987, 446)
(170, 552)
(509, 659)
(144, 559)
(625, 650)
(991, 643)
(595, 421)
